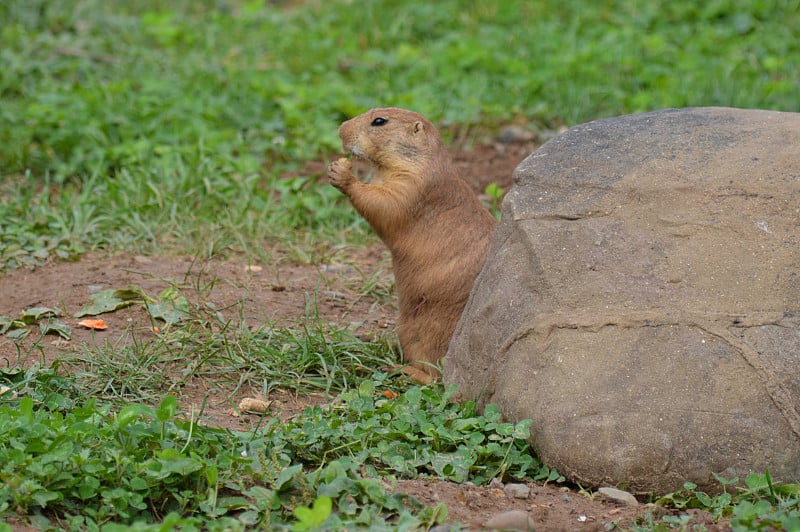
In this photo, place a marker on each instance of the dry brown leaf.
(97, 324)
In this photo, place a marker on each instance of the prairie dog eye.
(380, 121)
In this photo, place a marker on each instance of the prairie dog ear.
(417, 127)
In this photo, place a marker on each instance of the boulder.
(641, 301)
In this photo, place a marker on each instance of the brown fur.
(435, 227)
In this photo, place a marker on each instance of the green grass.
(81, 465)
(181, 127)
(201, 341)
(173, 121)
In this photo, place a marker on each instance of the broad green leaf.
(43, 496)
(756, 481)
(111, 300)
(6, 323)
(366, 389)
(166, 409)
(32, 315)
(313, 518)
(56, 327)
(286, 476)
(171, 312)
(131, 413)
(88, 487)
(234, 503)
(18, 334)
(413, 395)
(13, 374)
(180, 465)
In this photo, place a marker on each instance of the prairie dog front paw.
(340, 173)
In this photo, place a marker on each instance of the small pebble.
(619, 496)
(510, 520)
(517, 491)
(496, 483)
(335, 268)
(510, 134)
(251, 404)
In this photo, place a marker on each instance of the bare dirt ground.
(279, 293)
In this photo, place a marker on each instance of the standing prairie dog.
(435, 227)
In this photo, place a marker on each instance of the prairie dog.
(435, 227)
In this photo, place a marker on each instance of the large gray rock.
(641, 300)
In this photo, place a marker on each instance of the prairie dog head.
(391, 138)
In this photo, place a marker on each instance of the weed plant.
(72, 462)
(183, 127)
(85, 465)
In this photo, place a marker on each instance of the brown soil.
(278, 293)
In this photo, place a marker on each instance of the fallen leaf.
(171, 312)
(110, 300)
(17, 334)
(58, 327)
(6, 323)
(32, 315)
(97, 325)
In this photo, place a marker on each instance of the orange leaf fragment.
(389, 394)
(97, 325)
